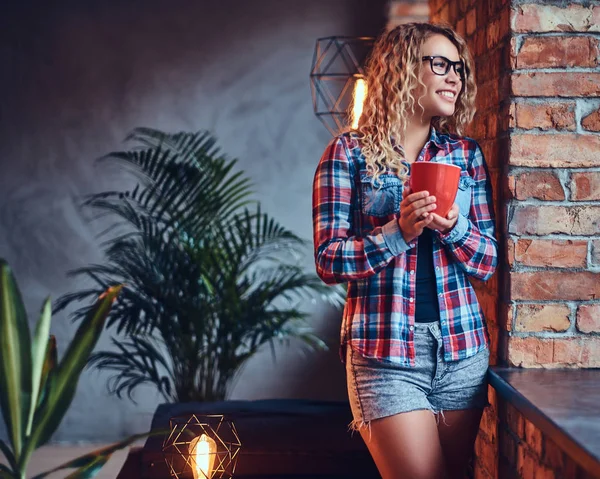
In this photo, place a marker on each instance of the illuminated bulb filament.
(360, 92)
(203, 450)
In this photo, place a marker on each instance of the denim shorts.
(379, 389)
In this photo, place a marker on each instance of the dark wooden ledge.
(563, 403)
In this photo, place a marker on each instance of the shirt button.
(412, 245)
(437, 268)
(440, 294)
(411, 328)
(411, 299)
(443, 322)
(412, 271)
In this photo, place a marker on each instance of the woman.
(413, 336)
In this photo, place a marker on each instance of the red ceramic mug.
(439, 179)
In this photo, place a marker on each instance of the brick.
(555, 253)
(596, 251)
(588, 318)
(508, 446)
(401, 9)
(585, 186)
(494, 32)
(558, 52)
(545, 220)
(542, 317)
(482, 14)
(529, 352)
(568, 351)
(552, 285)
(514, 420)
(590, 354)
(461, 27)
(553, 455)
(542, 185)
(545, 116)
(526, 464)
(479, 472)
(486, 454)
(565, 84)
(510, 252)
(471, 21)
(533, 437)
(533, 352)
(565, 150)
(507, 312)
(489, 424)
(549, 18)
(591, 122)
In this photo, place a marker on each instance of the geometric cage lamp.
(337, 80)
(201, 446)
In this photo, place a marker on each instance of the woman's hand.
(444, 225)
(414, 213)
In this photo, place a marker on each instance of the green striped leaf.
(89, 464)
(49, 368)
(10, 458)
(90, 470)
(15, 359)
(6, 473)
(62, 385)
(38, 356)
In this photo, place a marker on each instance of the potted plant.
(209, 277)
(35, 389)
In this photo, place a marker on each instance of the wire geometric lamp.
(337, 74)
(201, 447)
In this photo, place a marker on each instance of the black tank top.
(427, 308)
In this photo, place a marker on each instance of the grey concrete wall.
(76, 77)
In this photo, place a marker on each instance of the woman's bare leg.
(457, 436)
(406, 446)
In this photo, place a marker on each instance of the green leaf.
(50, 361)
(6, 473)
(89, 464)
(89, 471)
(38, 356)
(63, 383)
(8, 455)
(15, 358)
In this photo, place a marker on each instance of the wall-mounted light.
(337, 80)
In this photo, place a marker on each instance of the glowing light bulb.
(360, 93)
(203, 450)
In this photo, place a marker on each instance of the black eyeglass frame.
(448, 65)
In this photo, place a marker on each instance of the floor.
(51, 456)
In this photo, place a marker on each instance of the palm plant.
(35, 389)
(209, 277)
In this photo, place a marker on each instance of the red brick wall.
(407, 11)
(553, 188)
(525, 452)
(537, 121)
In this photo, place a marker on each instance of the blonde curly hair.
(392, 76)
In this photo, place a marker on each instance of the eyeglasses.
(441, 66)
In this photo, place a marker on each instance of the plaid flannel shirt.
(357, 240)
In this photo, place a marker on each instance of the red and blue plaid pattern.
(369, 253)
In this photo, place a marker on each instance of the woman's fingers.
(424, 222)
(417, 213)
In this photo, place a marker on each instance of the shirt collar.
(435, 137)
